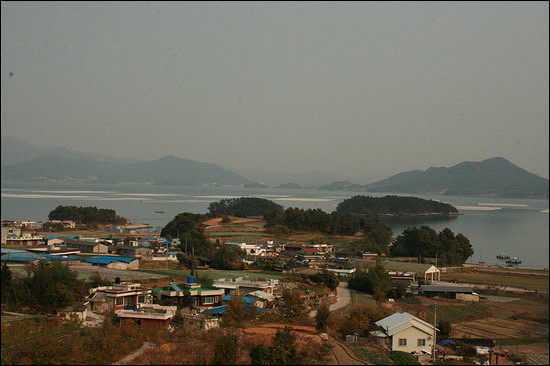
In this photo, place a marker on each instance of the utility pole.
(435, 331)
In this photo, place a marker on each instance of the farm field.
(529, 282)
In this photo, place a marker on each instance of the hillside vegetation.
(394, 206)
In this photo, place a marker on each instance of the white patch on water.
(219, 197)
(62, 192)
(21, 195)
(478, 208)
(274, 195)
(545, 210)
(179, 201)
(150, 194)
(504, 204)
(305, 199)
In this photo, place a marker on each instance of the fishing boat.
(161, 212)
(513, 260)
(503, 256)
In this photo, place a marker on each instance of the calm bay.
(518, 227)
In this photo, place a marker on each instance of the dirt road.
(343, 299)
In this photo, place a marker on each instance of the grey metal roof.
(397, 322)
(394, 320)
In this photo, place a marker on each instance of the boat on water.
(159, 212)
(513, 260)
(503, 256)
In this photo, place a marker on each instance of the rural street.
(343, 299)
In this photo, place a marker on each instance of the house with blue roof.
(23, 256)
(114, 262)
(249, 305)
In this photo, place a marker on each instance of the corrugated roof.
(74, 237)
(220, 310)
(399, 321)
(108, 259)
(394, 320)
(245, 299)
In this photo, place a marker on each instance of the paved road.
(343, 299)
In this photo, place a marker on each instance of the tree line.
(422, 242)
(87, 215)
(394, 205)
(242, 207)
(48, 287)
(336, 223)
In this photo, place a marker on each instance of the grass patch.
(181, 275)
(459, 313)
(359, 298)
(539, 283)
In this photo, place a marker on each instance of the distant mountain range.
(60, 164)
(495, 177)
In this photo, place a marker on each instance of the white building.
(405, 332)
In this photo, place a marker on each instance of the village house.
(244, 285)
(136, 252)
(67, 224)
(404, 332)
(10, 231)
(113, 262)
(263, 299)
(171, 256)
(26, 239)
(150, 315)
(425, 271)
(118, 296)
(86, 246)
(464, 293)
(249, 248)
(59, 239)
(406, 279)
(202, 296)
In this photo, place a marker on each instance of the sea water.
(518, 227)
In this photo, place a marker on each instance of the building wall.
(118, 265)
(467, 297)
(10, 230)
(412, 335)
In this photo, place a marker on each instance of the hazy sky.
(353, 88)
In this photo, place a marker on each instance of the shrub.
(403, 358)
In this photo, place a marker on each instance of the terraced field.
(499, 328)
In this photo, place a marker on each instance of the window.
(119, 301)
(402, 341)
(208, 300)
(141, 299)
(421, 342)
(196, 301)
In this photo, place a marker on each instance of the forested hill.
(395, 206)
(496, 177)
